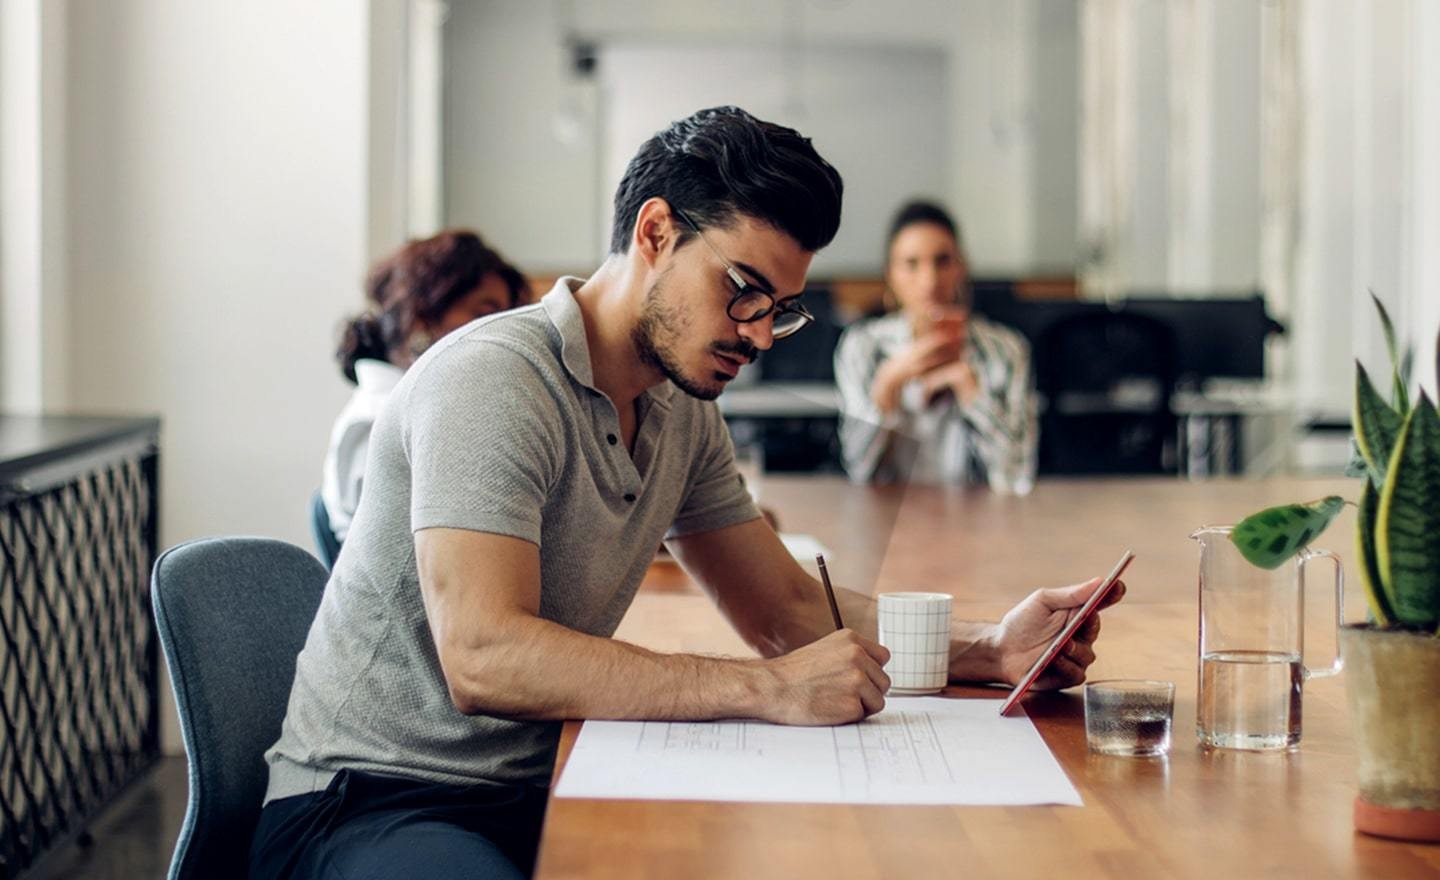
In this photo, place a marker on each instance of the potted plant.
(1392, 662)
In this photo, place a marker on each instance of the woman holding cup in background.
(931, 392)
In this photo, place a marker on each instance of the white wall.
(1371, 179)
(506, 173)
(216, 212)
(406, 90)
(217, 222)
(34, 301)
(1171, 171)
(1011, 84)
(842, 98)
(1054, 114)
(1424, 161)
(1150, 210)
(1233, 144)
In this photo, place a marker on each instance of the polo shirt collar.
(564, 313)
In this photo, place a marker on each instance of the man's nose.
(761, 333)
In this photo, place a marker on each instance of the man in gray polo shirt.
(519, 480)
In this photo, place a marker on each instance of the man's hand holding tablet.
(1058, 635)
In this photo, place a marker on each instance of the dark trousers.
(365, 825)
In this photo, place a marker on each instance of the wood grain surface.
(1194, 814)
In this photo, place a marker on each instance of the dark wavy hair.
(415, 286)
(723, 162)
(921, 211)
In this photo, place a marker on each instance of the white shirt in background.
(350, 441)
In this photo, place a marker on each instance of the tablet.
(1086, 612)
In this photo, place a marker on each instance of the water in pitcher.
(1250, 700)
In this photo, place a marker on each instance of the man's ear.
(655, 232)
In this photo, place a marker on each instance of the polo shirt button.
(611, 437)
(630, 496)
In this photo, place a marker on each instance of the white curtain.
(1281, 123)
(1424, 254)
(1190, 168)
(1367, 132)
(1107, 145)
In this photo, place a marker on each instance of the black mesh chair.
(1107, 378)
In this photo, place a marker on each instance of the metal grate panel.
(78, 659)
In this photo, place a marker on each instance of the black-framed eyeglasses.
(754, 303)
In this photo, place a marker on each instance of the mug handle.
(1339, 662)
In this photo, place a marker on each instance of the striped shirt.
(991, 440)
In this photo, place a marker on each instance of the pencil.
(829, 591)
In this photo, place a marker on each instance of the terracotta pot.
(1393, 682)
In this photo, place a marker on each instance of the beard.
(662, 324)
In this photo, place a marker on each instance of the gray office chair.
(231, 613)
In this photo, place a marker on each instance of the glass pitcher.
(1252, 645)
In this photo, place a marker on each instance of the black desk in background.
(1204, 338)
(1213, 338)
(790, 412)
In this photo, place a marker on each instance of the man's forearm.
(800, 614)
(974, 656)
(535, 669)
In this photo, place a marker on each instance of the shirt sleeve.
(483, 436)
(1002, 417)
(717, 496)
(865, 432)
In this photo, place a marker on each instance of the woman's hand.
(957, 377)
(936, 347)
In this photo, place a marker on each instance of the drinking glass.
(1130, 718)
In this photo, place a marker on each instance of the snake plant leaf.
(1407, 523)
(1275, 534)
(1375, 596)
(1357, 466)
(1385, 324)
(1398, 397)
(1376, 426)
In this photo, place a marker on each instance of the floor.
(132, 838)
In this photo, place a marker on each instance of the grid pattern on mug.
(918, 635)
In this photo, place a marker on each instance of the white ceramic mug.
(916, 629)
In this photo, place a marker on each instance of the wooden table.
(1197, 814)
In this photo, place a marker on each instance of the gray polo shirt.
(498, 428)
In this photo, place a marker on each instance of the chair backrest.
(1095, 352)
(231, 613)
(327, 546)
(1107, 378)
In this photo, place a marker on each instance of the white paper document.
(919, 750)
